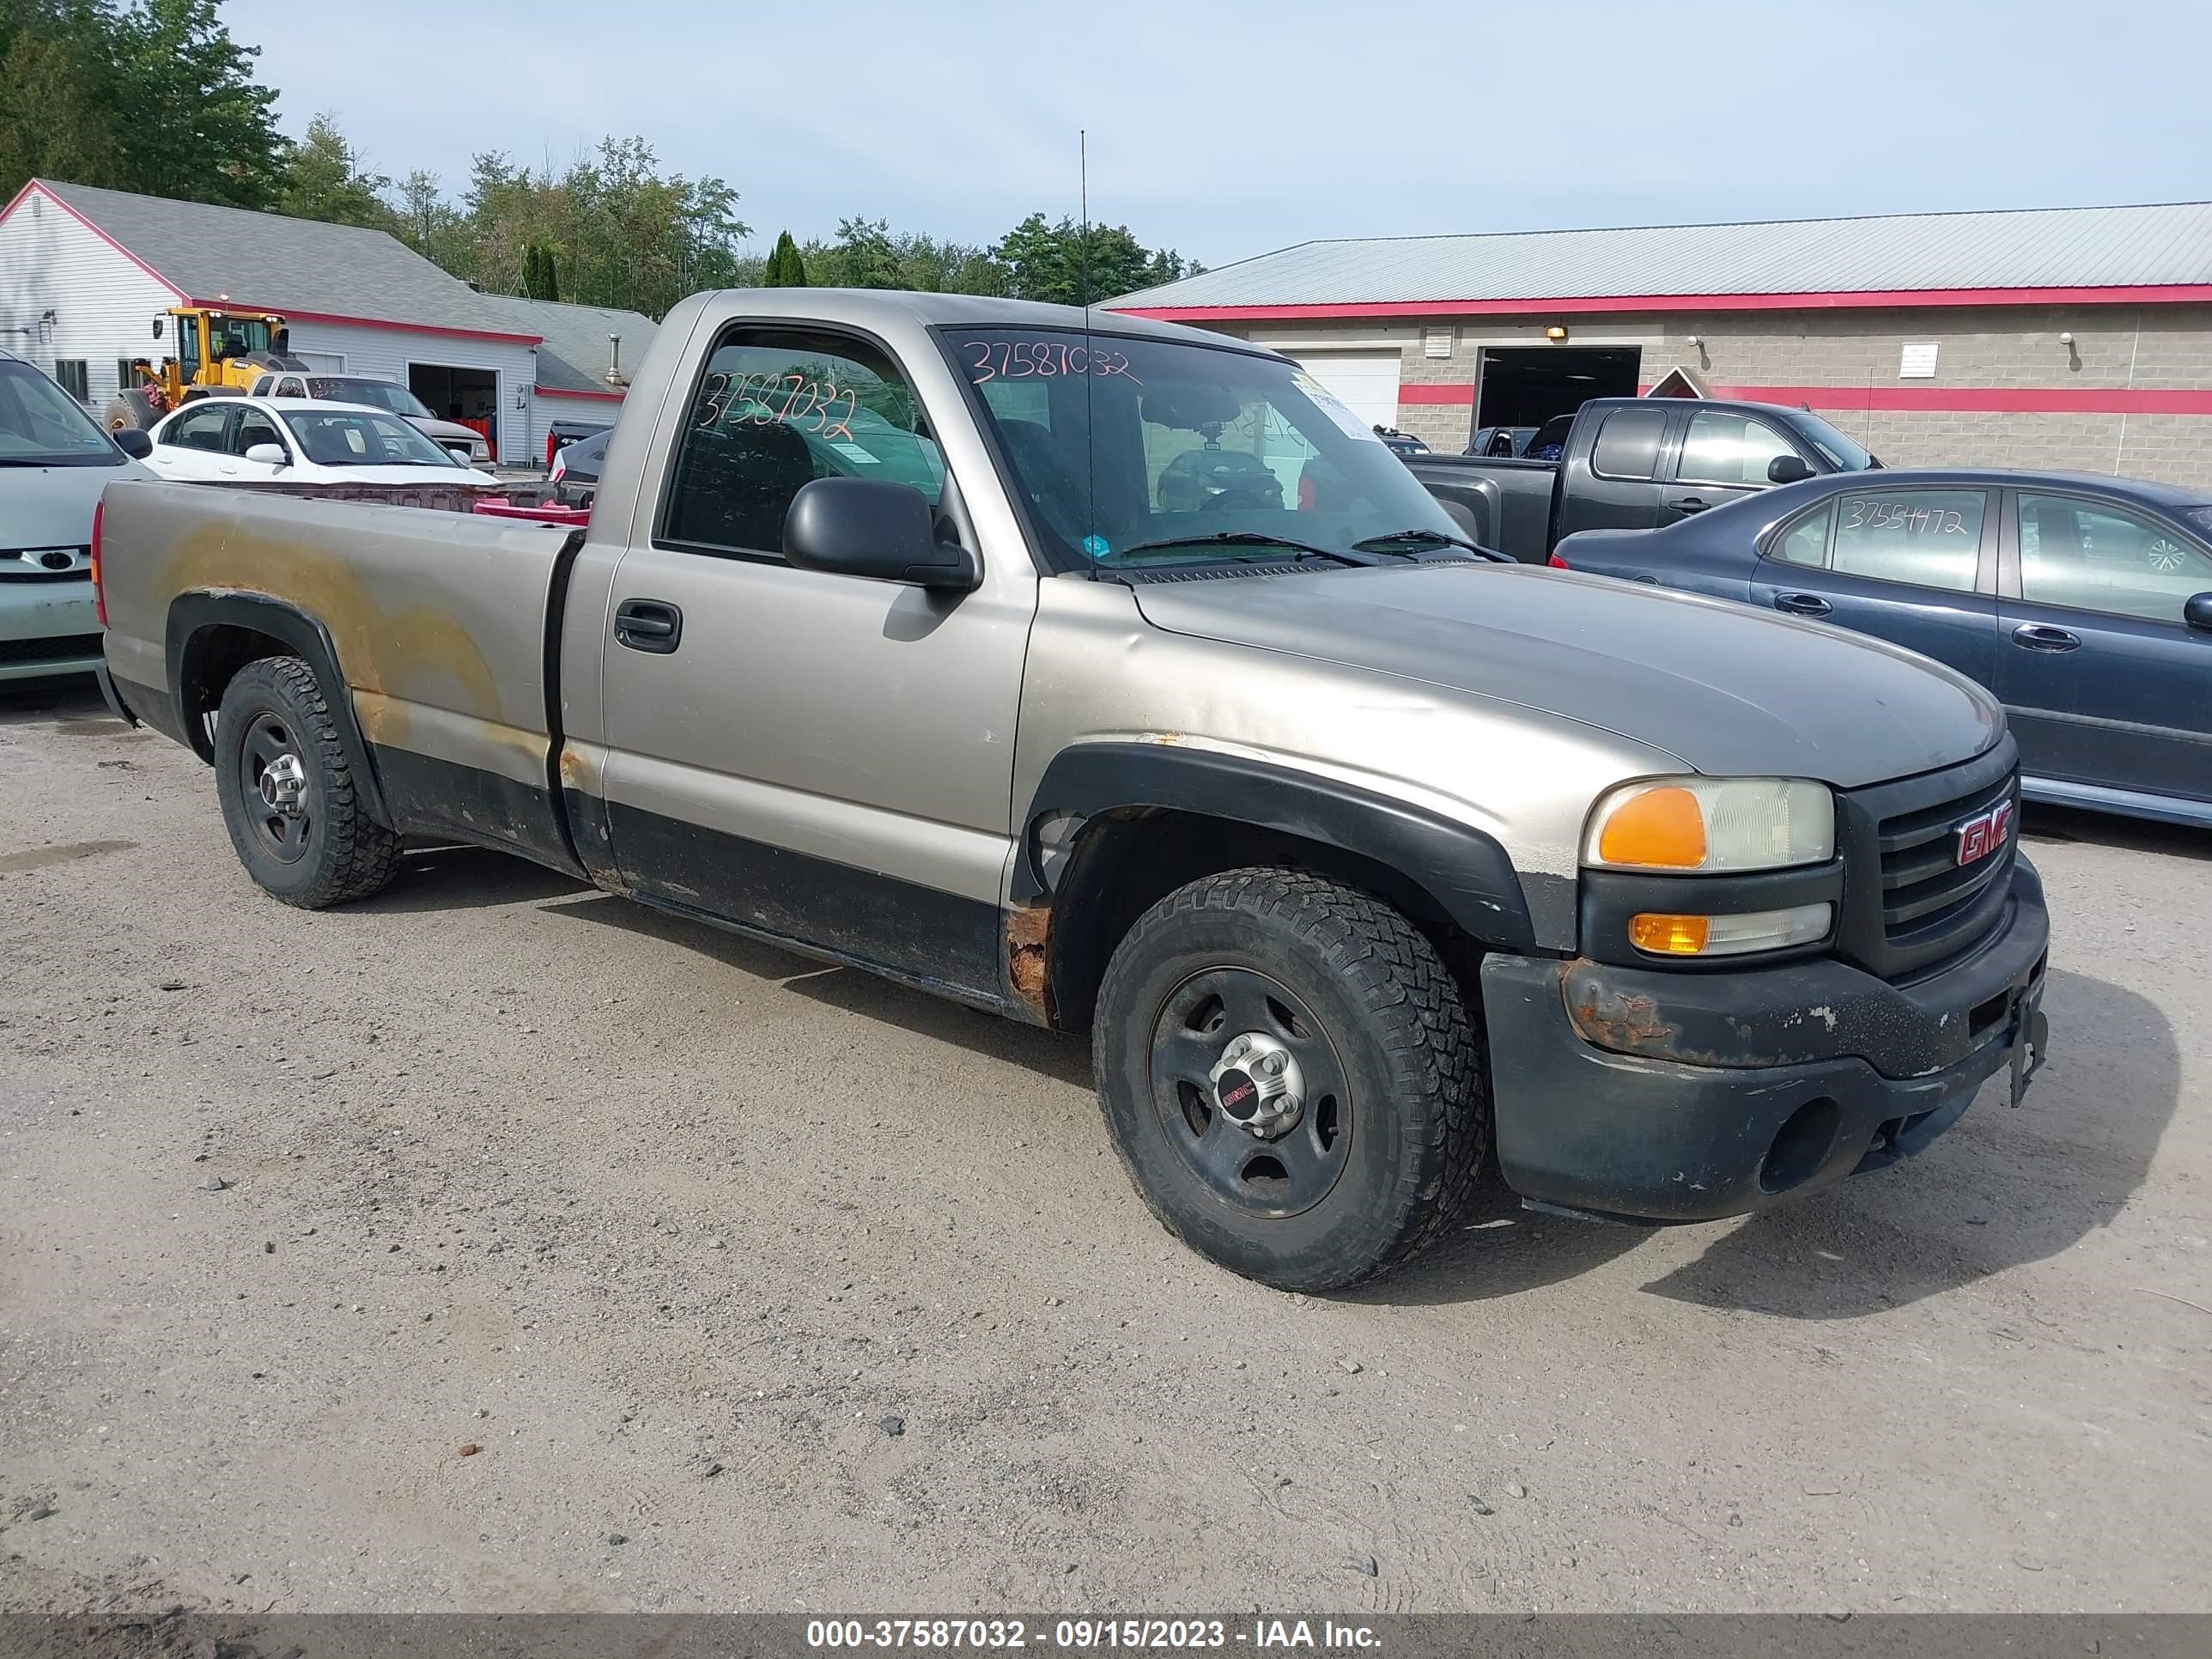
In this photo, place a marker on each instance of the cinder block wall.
(1844, 364)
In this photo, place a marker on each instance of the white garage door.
(1365, 381)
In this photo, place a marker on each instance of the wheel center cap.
(1257, 1085)
(284, 785)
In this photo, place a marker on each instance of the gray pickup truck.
(1113, 677)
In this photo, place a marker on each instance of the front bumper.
(48, 626)
(1677, 1096)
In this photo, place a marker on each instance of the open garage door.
(1365, 382)
(457, 392)
(1526, 386)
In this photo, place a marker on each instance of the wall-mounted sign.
(1917, 361)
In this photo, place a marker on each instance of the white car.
(299, 441)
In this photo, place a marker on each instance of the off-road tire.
(1409, 1056)
(347, 853)
(129, 408)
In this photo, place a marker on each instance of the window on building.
(1628, 443)
(1929, 538)
(71, 373)
(1729, 449)
(2096, 557)
(125, 376)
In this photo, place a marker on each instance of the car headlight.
(1709, 826)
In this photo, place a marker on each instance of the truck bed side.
(1504, 505)
(434, 622)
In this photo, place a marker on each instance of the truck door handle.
(653, 625)
(2040, 636)
(1689, 504)
(1801, 604)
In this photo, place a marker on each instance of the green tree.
(541, 272)
(192, 122)
(1066, 264)
(325, 178)
(57, 91)
(785, 268)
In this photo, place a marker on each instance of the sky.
(1229, 128)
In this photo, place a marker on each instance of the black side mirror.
(1787, 468)
(874, 528)
(133, 442)
(2197, 611)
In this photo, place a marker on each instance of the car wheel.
(1290, 1077)
(2165, 556)
(289, 798)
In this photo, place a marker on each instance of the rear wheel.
(1290, 1077)
(289, 799)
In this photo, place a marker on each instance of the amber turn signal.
(1661, 827)
(1670, 936)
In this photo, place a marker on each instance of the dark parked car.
(575, 471)
(2084, 603)
(1400, 443)
(1631, 464)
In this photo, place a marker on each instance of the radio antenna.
(1091, 538)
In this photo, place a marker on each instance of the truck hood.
(1730, 690)
(51, 506)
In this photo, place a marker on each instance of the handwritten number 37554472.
(1902, 515)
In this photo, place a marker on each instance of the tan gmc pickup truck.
(1113, 677)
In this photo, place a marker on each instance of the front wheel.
(289, 798)
(1290, 1077)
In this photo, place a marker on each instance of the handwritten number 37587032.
(1027, 359)
(753, 400)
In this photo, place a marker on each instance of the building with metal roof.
(84, 273)
(2062, 337)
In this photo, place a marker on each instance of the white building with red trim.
(2072, 338)
(85, 272)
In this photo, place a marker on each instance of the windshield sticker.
(1328, 403)
(787, 399)
(1899, 515)
(855, 452)
(1096, 546)
(1039, 360)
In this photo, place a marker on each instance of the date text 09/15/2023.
(1088, 1635)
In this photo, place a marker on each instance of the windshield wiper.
(1241, 538)
(1434, 537)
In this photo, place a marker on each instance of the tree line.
(155, 96)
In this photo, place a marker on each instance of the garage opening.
(454, 392)
(1526, 386)
(1365, 382)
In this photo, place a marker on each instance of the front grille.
(1908, 902)
(60, 648)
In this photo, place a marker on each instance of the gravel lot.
(757, 1285)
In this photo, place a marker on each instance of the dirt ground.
(761, 1286)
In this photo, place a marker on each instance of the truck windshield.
(378, 394)
(1844, 454)
(1131, 452)
(359, 437)
(41, 425)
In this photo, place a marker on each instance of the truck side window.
(1628, 443)
(776, 409)
(1929, 538)
(1729, 449)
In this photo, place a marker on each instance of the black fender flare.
(195, 614)
(1468, 873)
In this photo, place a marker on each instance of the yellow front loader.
(216, 352)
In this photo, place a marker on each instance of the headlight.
(1711, 825)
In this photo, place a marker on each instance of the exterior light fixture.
(1555, 334)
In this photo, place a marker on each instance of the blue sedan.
(2084, 603)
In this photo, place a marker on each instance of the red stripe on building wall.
(293, 316)
(1963, 399)
(2147, 294)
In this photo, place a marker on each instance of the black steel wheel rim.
(1264, 1178)
(268, 753)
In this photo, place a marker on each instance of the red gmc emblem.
(1980, 836)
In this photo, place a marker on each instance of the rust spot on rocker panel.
(1028, 933)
